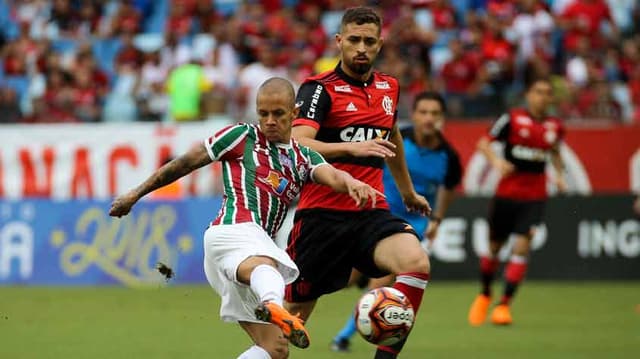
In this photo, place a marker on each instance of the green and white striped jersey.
(260, 178)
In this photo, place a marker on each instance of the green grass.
(552, 320)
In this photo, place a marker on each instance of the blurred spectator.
(85, 96)
(150, 94)
(179, 22)
(461, 78)
(174, 53)
(56, 103)
(595, 102)
(186, 85)
(9, 106)
(531, 29)
(128, 56)
(127, 20)
(585, 18)
(51, 50)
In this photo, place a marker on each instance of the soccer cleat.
(291, 325)
(479, 309)
(501, 315)
(340, 345)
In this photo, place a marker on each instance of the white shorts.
(225, 247)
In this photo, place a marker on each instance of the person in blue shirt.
(435, 169)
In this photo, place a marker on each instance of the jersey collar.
(409, 134)
(350, 80)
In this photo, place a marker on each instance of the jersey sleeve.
(314, 102)
(315, 160)
(499, 131)
(453, 177)
(227, 143)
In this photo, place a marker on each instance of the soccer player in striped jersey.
(435, 170)
(263, 170)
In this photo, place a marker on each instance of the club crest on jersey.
(342, 88)
(285, 160)
(302, 171)
(277, 182)
(383, 85)
(387, 105)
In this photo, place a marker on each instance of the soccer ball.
(384, 316)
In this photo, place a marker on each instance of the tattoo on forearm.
(168, 173)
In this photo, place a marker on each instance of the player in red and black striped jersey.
(349, 116)
(530, 139)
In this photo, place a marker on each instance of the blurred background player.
(242, 263)
(529, 136)
(435, 170)
(349, 115)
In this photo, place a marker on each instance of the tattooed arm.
(170, 172)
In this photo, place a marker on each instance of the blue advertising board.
(44, 242)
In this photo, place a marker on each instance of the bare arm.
(558, 165)
(502, 165)
(306, 135)
(342, 182)
(443, 200)
(400, 172)
(170, 172)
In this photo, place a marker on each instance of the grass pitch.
(552, 320)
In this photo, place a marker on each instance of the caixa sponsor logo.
(359, 134)
(529, 153)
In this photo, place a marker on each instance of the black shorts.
(508, 216)
(327, 244)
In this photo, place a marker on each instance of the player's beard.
(359, 68)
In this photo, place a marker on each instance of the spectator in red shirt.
(84, 97)
(498, 55)
(459, 74)
(503, 10)
(127, 20)
(179, 21)
(444, 15)
(14, 62)
(98, 78)
(584, 18)
(128, 56)
(630, 59)
(56, 104)
(595, 102)
(463, 78)
(634, 89)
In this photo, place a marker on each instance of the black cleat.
(340, 345)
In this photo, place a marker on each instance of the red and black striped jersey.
(528, 142)
(344, 109)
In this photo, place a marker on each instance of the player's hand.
(122, 205)
(504, 167)
(432, 230)
(377, 148)
(417, 203)
(362, 192)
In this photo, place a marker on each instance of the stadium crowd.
(183, 60)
